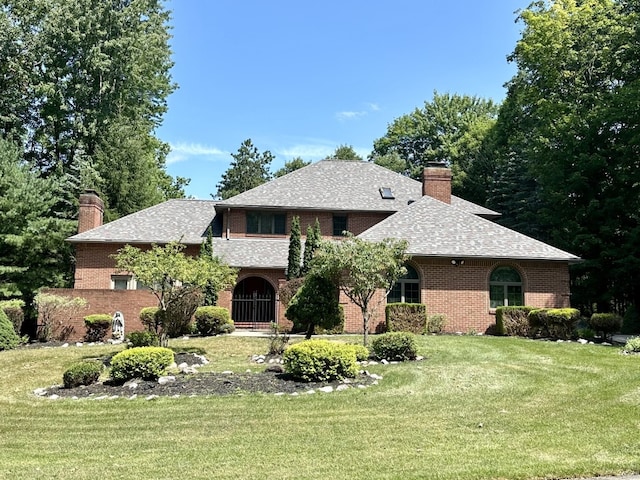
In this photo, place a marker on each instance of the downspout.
(228, 229)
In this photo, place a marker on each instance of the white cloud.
(308, 152)
(351, 115)
(181, 152)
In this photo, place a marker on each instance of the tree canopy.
(249, 169)
(449, 128)
(362, 269)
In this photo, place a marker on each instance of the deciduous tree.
(362, 269)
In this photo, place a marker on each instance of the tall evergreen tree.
(311, 244)
(249, 169)
(293, 264)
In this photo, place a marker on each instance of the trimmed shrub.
(513, 321)
(97, 326)
(362, 352)
(436, 323)
(395, 346)
(406, 317)
(554, 322)
(14, 310)
(320, 360)
(82, 373)
(585, 333)
(8, 337)
(606, 323)
(632, 345)
(143, 339)
(288, 289)
(147, 363)
(631, 321)
(149, 318)
(210, 320)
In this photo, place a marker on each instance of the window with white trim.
(406, 289)
(122, 282)
(505, 287)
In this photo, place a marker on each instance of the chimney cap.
(437, 164)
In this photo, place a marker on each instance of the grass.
(476, 408)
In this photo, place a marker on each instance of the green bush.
(606, 323)
(82, 373)
(586, 333)
(513, 321)
(320, 360)
(14, 310)
(406, 317)
(631, 321)
(632, 345)
(149, 318)
(436, 323)
(176, 319)
(362, 352)
(395, 346)
(8, 337)
(97, 326)
(210, 320)
(553, 322)
(143, 339)
(147, 363)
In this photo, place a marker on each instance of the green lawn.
(475, 408)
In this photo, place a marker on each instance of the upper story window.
(339, 225)
(127, 282)
(407, 288)
(505, 288)
(266, 223)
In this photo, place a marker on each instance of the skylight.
(386, 193)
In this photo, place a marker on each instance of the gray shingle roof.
(433, 228)
(174, 220)
(253, 252)
(338, 185)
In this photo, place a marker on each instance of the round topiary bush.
(149, 317)
(320, 360)
(212, 320)
(82, 373)
(395, 346)
(97, 326)
(143, 339)
(632, 345)
(8, 337)
(147, 363)
(607, 323)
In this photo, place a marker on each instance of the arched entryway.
(254, 303)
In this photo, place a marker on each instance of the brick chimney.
(436, 181)
(90, 211)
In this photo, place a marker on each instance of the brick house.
(463, 264)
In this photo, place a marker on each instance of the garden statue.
(117, 326)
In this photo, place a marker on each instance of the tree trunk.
(310, 329)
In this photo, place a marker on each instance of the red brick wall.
(128, 302)
(436, 182)
(90, 211)
(460, 293)
(94, 265)
(357, 222)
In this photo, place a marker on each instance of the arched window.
(505, 287)
(407, 288)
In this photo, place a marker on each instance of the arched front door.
(254, 303)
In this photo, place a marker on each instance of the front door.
(254, 304)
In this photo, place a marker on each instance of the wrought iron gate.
(253, 310)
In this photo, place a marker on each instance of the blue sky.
(302, 78)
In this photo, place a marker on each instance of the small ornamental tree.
(293, 265)
(362, 268)
(315, 304)
(173, 276)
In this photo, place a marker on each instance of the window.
(386, 193)
(406, 289)
(339, 225)
(122, 282)
(505, 288)
(266, 223)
